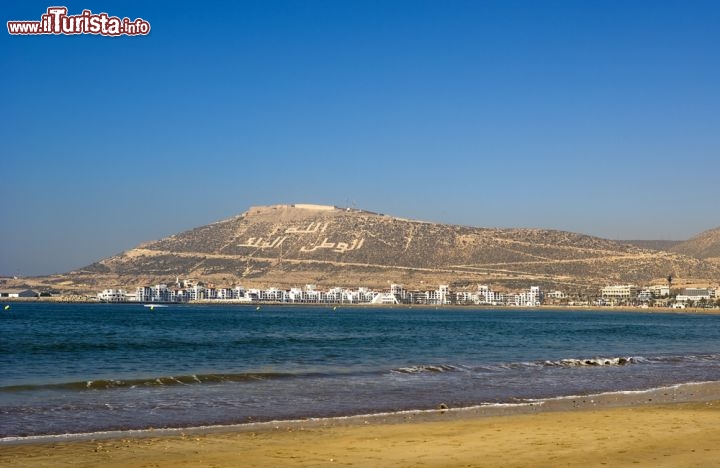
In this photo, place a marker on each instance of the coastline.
(548, 308)
(669, 426)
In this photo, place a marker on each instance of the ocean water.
(78, 368)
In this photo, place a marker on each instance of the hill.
(653, 244)
(705, 245)
(293, 245)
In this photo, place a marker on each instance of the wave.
(219, 378)
(427, 368)
(597, 361)
(193, 379)
(589, 362)
(611, 361)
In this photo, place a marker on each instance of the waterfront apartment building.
(556, 295)
(485, 295)
(440, 296)
(645, 295)
(113, 295)
(399, 292)
(659, 290)
(620, 292)
(694, 294)
(530, 298)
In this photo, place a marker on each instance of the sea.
(94, 368)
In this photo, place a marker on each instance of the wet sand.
(643, 428)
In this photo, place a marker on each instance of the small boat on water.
(152, 306)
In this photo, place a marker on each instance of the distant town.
(183, 291)
(191, 291)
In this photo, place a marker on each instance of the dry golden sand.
(678, 435)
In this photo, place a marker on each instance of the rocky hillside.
(292, 245)
(653, 244)
(705, 245)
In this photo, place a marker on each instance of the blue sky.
(598, 117)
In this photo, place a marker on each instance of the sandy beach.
(679, 434)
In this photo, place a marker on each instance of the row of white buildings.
(484, 295)
(188, 292)
(630, 292)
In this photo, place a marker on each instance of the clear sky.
(601, 117)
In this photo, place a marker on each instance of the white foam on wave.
(426, 368)
(596, 361)
(621, 392)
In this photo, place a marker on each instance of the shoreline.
(474, 307)
(683, 393)
(668, 426)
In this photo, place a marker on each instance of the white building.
(557, 295)
(440, 296)
(483, 291)
(157, 293)
(620, 292)
(466, 297)
(485, 295)
(532, 298)
(645, 295)
(196, 293)
(659, 290)
(399, 292)
(693, 295)
(18, 293)
(385, 298)
(272, 295)
(113, 295)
